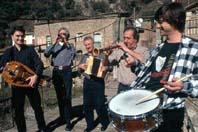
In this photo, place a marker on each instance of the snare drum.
(127, 116)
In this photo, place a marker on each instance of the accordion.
(94, 67)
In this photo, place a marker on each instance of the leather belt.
(62, 67)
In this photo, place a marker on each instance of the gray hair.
(88, 38)
(66, 31)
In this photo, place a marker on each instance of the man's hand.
(107, 52)
(123, 47)
(82, 66)
(33, 80)
(129, 61)
(174, 86)
(65, 41)
(104, 68)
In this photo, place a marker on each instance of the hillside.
(26, 12)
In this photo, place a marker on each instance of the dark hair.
(136, 35)
(66, 32)
(17, 28)
(173, 13)
(88, 38)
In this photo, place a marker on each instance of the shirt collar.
(185, 41)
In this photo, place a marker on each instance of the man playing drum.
(176, 57)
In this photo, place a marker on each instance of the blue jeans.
(62, 80)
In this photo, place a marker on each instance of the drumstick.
(161, 89)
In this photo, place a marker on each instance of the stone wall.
(106, 27)
(191, 119)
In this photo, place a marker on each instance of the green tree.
(100, 6)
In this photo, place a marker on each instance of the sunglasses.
(62, 34)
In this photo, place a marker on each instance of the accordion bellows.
(94, 67)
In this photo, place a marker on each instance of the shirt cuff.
(187, 87)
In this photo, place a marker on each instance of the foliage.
(69, 4)
(12, 10)
(38, 9)
(112, 1)
(100, 6)
(130, 5)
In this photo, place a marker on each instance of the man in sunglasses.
(62, 55)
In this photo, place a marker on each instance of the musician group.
(165, 68)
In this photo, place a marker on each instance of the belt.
(62, 67)
(93, 78)
(125, 85)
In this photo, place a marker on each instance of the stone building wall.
(192, 25)
(106, 27)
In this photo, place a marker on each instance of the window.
(79, 37)
(48, 40)
(29, 39)
(97, 40)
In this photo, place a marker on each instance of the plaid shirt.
(186, 62)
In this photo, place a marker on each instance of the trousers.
(18, 101)
(94, 98)
(62, 80)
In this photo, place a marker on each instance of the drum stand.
(144, 119)
(122, 123)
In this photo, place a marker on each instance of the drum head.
(125, 103)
